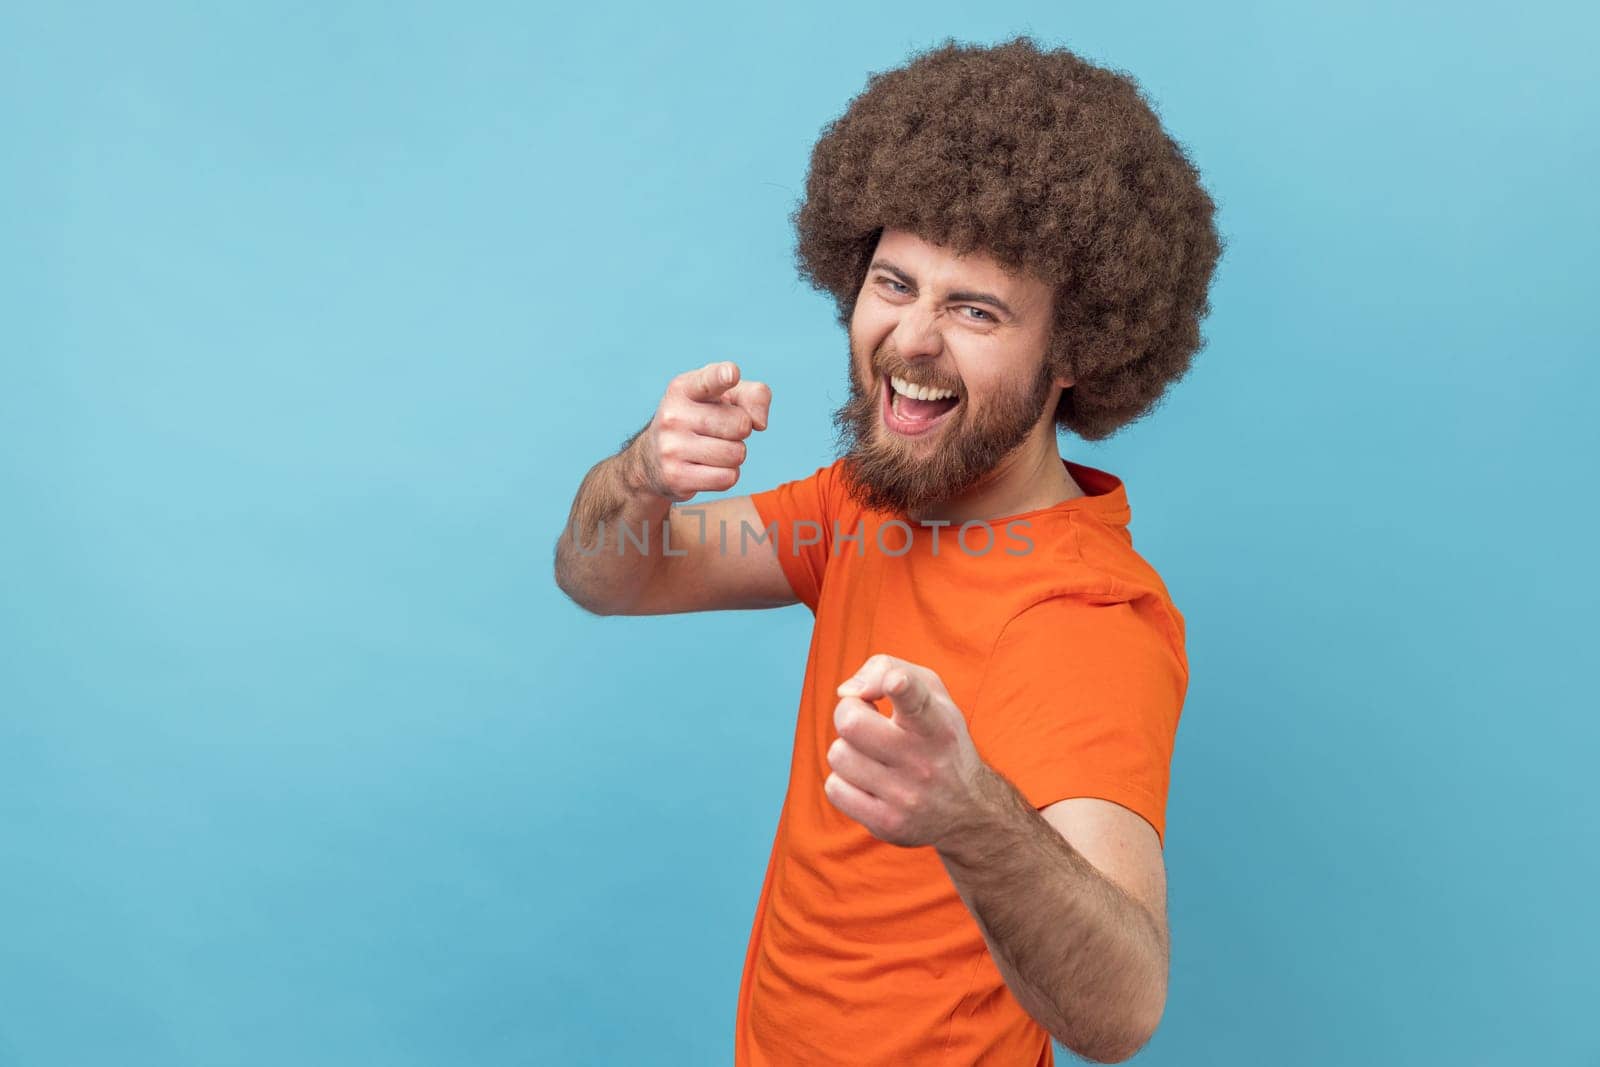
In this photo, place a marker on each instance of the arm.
(1083, 955)
(629, 549)
(1077, 930)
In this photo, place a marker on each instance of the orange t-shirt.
(1062, 649)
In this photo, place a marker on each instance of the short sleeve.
(799, 518)
(1082, 699)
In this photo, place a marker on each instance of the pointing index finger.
(711, 381)
(905, 684)
(907, 693)
(868, 682)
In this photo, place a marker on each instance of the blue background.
(314, 317)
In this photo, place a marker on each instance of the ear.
(1062, 377)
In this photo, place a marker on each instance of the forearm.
(1085, 959)
(613, 541)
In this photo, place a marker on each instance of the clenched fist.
(695, 442)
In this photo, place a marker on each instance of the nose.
(916, 335)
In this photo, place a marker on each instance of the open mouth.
(910, 409)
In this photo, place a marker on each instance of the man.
(968, 860)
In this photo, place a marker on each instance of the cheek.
(870, 324)
(980, 380)
(999, 372)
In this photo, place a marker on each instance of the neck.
(1031, 478)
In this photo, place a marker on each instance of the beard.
(886, 472)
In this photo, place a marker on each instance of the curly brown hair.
(1050, 165)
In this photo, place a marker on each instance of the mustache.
(892, 370)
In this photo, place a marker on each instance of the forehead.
(940, 267)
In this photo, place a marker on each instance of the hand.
(913, 779)
(695, 442)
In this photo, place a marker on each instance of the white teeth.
(920, 392)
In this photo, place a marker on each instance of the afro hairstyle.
(1051, 166)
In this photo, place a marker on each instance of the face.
(968, 340)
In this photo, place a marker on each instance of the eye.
(986, 316)
(898, 287)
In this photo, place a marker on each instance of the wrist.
(983, 830)
(632, 470)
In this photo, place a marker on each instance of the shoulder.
(822, 492)
(1116, 617)
(1109, 570)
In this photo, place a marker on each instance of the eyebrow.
(965, 295)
